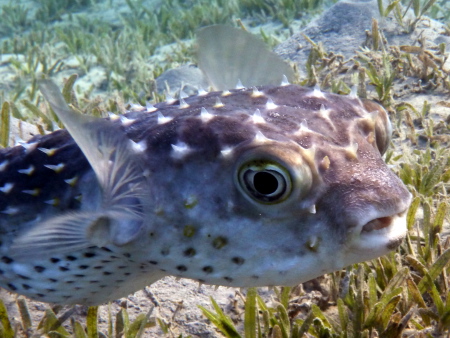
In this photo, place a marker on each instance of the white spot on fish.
(239, 85)
(54, 202)
(226, 152)
(126, 121)
(256, 92)
(226, 93)
(284, 81)
(72, 181)
(201, 92)
(169, 99)
(162, 119)
(257, 117)
(7, 187)
(317, 93)
(27, 146)
(150, 108)
(270, 104)
(29, 171)
(180, 150)
(34, 192)
(205, 115)
(49, 152)
(312, 209)
(260, 138)
(10, 211)
(3, 165)
(218, 103)
(56, 168)
(183, 104)
(138, 147)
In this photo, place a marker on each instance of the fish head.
(274, 190)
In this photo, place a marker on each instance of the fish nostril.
(377, 224)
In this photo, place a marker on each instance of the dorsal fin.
(227, 55)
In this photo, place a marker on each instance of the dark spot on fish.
(105, 261)
(189, 252)
(80, 276)
(181, 268)
(89, 254)
(394, 243)
(165, 251)
(106, 249)
(219, 242)
(54, 260)
(127, 273)
(1, 272)
(39, 268)
(238, 260)
(67, 297)
(70, 282)
(201, 280)
(98, 267)
(119, 280)
(26, 286)
(228, 279)
(7, 260)
(52, 280)
(153, 262)
(127, 255)
(93, 281)
(23, 277)
(102, 286)
(255, 277)
(114, 257)
(71, 258)
(50, 290)
(107, 273)
(63, 268)
(11, 286)
(40, 295)
(83, 267)
(208, 269)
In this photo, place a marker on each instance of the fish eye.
(265, 182)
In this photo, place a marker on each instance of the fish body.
(255, 186)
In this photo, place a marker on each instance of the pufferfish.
(265, 184)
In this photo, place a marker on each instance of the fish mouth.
(381, 222)
(386, 231)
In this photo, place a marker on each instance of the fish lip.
(382, 222)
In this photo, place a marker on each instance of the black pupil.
(265, 183)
